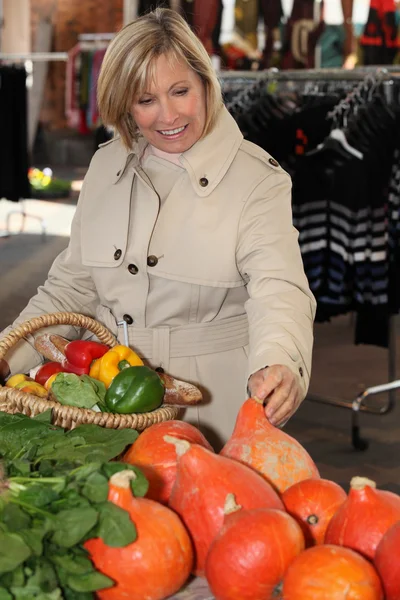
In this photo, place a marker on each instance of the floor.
(340, 368)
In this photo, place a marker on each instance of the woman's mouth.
(173, 134)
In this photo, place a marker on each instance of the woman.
(183, 230)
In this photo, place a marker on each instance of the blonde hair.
(129, 63)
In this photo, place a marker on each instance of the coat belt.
(160, 344)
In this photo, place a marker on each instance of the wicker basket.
(15, 401)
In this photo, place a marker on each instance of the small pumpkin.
(157, 459)
(362, 521)
(387, 562)
(278, 457)
(157, 563)
(313, 502)
(202, 483)
(331, 572)
(250, 555)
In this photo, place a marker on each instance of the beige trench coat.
(224, 293)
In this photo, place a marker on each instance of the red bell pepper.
(47, 370)
(80, 354)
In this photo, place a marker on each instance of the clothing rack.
(94, 37)
(34, 56)
(367, 74)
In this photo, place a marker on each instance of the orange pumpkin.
(327, 572)
(203, 481)
(157, 563)
(313, 502)
(361, 522)
(387, 562)
(250, 555)
(157, 459)
(268, 450)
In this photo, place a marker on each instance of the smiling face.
(171, 113)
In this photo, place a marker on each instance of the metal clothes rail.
(380, 73)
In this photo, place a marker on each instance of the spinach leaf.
(90, 582)
(14, 518)
(96, 488)
(4, 595)
(72, 525)
(38, 495)
(115, 526)
(13, 551)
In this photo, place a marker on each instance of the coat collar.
(206, 162)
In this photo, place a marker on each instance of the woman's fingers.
(284, 410)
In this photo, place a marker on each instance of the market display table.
(196, 589)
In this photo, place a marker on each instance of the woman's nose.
(168, 113)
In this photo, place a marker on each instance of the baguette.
(51, 346)
(180, 393)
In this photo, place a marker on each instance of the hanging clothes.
(14, 161)
(272, 13)
(346, 190)
(82, 72)
(380, 40)
(146, 6)
(246, 20)
(301, 36)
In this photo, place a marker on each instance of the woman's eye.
(181, 92)
(145, 101)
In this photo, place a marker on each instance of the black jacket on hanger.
(14, 164)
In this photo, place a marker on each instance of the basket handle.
(60, 318)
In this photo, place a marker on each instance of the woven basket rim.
(16, 400)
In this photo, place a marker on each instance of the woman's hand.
(280, 387)
(4, 371)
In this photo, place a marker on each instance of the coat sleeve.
(69, 287)
(281, 307)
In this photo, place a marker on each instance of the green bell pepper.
(135, 390)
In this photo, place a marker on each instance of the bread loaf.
(51, 346)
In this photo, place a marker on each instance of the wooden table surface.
(196, 589)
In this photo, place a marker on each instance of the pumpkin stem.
(258, 400)
(312, 519)
(230, 505)
(181, 446)
(359, 483)
(123, 479)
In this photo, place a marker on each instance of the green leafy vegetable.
(53, 497)
(78, 390)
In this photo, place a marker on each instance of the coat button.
(273, 162)
(301, 371)
(152, 260)
(117, 254)
(204, 182)
(133, 270)
(128, 319)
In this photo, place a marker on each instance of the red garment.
(205, 20)
(380, 29)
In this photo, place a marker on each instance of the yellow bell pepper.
(112, 362)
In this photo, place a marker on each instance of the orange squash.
(361, 522)
(250, 555)
(157, 563)
(157, 459)
(327, 572)
(274, 454)
(203, 481)
(313, 502)
(387, 562)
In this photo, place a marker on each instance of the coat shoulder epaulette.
(260, 154)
